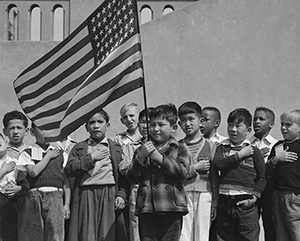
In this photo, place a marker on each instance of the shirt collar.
(20, 149)
(92, 142)
(228, 142)
(172, 143)
(269, 139)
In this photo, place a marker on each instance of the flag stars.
(98, 15)
(103, 10)
(124, 8)
(131, 30)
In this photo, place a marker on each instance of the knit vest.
(51, 176)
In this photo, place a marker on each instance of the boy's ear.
(31, 131)
(217, 123)
(5, 132)
(249, 129)
(174, 127)
(271, 125)
(122, 121)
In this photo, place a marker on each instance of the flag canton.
(111, 25)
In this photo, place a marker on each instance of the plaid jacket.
(161, 187)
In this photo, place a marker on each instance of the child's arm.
(214, 177)
(260, 180)
(176, 165)
(7, 168)
(222, 162)
(80, 161)
(67, 196)
(35, 170)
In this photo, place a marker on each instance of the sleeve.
(259, 165)
(177, 163)
(25, 159)
(135, 169)
(127, 155)
(222, 163)
(214, 178)
(79, 162)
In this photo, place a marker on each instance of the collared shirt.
(217, 138)
(66, 147)
(8, 178)
(268, 141)
(99, 175)
(124, 138)
(15, 152)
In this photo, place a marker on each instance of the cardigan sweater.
(246, 174)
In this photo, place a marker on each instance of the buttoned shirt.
(268, 141)
(217, 138)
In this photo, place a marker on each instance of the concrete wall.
(224, 53)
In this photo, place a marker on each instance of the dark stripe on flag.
(55, 64)
(58, 80)
(56, 95)
(54, 50)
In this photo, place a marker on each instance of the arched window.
(168, 9)
(58, 23)
(146, 14)
(35, 23)
(13, 22)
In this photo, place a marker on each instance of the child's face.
(237, 132)
(161, 130)
(208, 122)
(289, 130)
(190, 124)
(15, 131)
(262, 123)
(3, 146)
(143, 127)
(97, 127)
(130, 119)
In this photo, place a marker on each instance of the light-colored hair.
(128, 106)
(291, 115)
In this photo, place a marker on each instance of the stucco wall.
(224, 53)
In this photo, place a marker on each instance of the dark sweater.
(286, 175)
(246, 174)
(51, 176)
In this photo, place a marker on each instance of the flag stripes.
(97, 63)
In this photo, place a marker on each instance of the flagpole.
(142, 63)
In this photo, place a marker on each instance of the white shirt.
(8, 178)
(268, 141)
(217, 138)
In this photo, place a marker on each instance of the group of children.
(145, 185)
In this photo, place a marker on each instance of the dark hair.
(14, 115)
(215, 110)
(267, 110)
(101, 112)
(145, 112)
(240, 115)
(167, 111)
(190, 107)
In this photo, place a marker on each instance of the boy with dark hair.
(15, 128)
(284, 166)
(263, 122)
(45, 209)
(98, 197)
(242, 181)
(202, 184)
(210, 122)
(8, 189)
(160, 167)
(128, 153)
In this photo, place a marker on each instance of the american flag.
(97, 63)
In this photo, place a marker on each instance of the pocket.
(180, 197)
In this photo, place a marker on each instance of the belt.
(237, 198)
(46, 189)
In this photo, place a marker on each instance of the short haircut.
(145, 112)
(128, 106)
(167, 111)
(190, 107)
(267, 110)
(101, 112)
(14, 115)
(291, 115)
(240, 115)
(215, 110)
